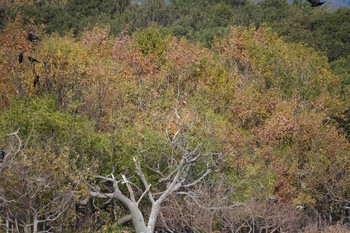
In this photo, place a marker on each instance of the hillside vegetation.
(239, 128)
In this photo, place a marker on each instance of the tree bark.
(35, 223)
(137, 219)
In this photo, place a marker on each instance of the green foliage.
(75, 15)
(42, 124)
(152, 40)
(323, 30)
(202, 20)
(341, 67)
(52, 157)
(260, 104)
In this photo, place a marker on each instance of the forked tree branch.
(175, 177)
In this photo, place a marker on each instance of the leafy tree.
(341, 68)
(262, 105)
(49, 156)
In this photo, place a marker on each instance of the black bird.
(315, 3)
(36, 81)
(2, 154)
(32, 37)
(32, 59)
(20, 58)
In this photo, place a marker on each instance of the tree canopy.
(188, 116)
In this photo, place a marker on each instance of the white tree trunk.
(7, 224)
(137, 219)
(35, 223)
(174, 180)
(153, 216)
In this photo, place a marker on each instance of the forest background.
(177, 116)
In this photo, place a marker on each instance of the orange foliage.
(131, 57)
(13, 77)
(181, 53)
(235, 96)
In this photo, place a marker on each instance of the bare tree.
(177, 174)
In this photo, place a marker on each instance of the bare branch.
(155, 170)
(174, 173)
(164, 222)
(102, 195)
(144, 181)
(19, 148)
(123, 220)
(116, 194)
(131, 191)
(199, 179)
(144, 193)
(193, 197)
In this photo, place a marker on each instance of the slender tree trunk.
(35, 223)
(153, 216)
(7, 223)
(137, 218)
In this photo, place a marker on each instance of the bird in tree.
(36, 81)
(315, 3)
(2, 154)
(32, 37)
(20, 58)
(32, 60)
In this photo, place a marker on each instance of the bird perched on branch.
(2, 154)
(32, 59)
(315, 3)
(20, 58)
(31, 37)
(36, 81)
